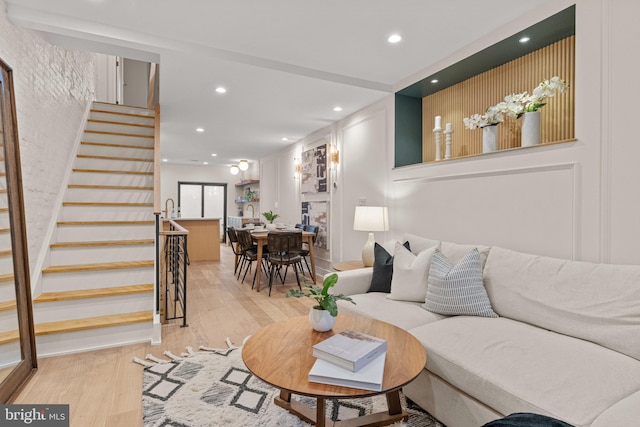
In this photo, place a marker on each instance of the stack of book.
(350, 359)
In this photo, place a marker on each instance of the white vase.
(321, 320)
(489, 139)
(530, 129)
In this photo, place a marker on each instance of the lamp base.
(367, 251)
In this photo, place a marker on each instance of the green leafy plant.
(325, 300)
(270, 216)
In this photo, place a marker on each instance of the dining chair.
(250, 254)
(300, 226)
(305, 246)
(235, 245)
(284, 250)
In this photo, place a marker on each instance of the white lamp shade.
(371, 218)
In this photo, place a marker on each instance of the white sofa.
(566, 344)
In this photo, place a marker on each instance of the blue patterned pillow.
(457, 290)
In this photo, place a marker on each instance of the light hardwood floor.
(104, 388)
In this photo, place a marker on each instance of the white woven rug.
(212, 387)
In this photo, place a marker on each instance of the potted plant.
(270, 216)
(322, 315)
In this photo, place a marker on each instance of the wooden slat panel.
(479, 92)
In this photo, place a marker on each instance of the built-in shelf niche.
(483, 79)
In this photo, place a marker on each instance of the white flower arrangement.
(516, 104)
(491, 117)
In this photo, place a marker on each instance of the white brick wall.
(53, 86)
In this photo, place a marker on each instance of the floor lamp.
(370, 218)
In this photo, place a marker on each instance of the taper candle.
(438, 122)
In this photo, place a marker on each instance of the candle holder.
(447, 136)
(437, 134)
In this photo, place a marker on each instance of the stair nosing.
(143, 116)
(136, 242)
(108, 144)
(107, 204)
(107, 122)
(126, 159)
(76, 223)
(93, 293)
(75, 325)
(110, 187)
(119, 172)
(74, 268)
(133, 135)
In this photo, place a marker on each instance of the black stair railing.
(175, 261)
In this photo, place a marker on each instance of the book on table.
(367, 378)
(350, 350)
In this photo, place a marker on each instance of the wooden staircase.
(98, 286)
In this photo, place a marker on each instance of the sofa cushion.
(382, 269)
(515, 367)
(375, 305)
(457, 289)
(455, 251)
(624, 413)
(595, 302)
(410, 273)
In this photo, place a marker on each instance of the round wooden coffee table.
(281, 355)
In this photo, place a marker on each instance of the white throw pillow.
(418, 243)
(457, 290)
(410, 274)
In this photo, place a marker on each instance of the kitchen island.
(203, 242)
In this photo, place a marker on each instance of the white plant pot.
(321, 320)
(489, 139)
(271, 226)
(530, 129)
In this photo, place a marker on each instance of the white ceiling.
(285, 63)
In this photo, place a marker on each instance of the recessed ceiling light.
(337, 108)
(199, 130)
(524, 39)
(284, 138)
(220, 89)
(394, 38)
(206, 163)
(434, 81)
(165, 160)
(213, 154)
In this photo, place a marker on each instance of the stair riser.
(121, 118)
(108, 195)
(4, 201)
(93, 339)
(100, 150)
(60, 282)
(8, 291)
(80, 233)
(92, 178)
(119, 108)
(4, 220)
(117, 213)
(8, 320)
(108, 164)
(98, 254)
(92, 307)
(119, 128)
(117, 139)
(9, 354)
(6, 265)
(5, 241)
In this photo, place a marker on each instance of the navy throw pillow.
(382, 269)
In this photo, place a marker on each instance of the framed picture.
(317, 213)
(314, 170)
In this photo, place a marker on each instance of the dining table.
(259, 237)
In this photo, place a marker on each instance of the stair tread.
(92, 323)
(111, 187)
(5, 278)
(97, 266)
(104, 204)
(9, 337)
(122, 113)
(108, 144)
(107, 122)
(93, 293)
(103, 243)
(128, 159)
(73, 223)
(7, 305)
(134, 135)
(112, 171)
